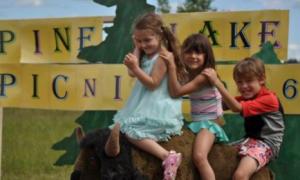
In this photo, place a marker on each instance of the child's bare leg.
(202, 145)
(151, 147)
(112, 146)
(246, 168)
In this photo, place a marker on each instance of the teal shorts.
(210, 125)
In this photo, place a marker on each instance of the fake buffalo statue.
(133, 164)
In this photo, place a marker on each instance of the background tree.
(187, 6)
(196, 6)
(163, 6)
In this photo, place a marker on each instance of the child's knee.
(238, 175)
(199, 158)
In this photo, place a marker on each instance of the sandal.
(171, 164)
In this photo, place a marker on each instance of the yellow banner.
(10, 42)
(73, 87)
(106, 87)
(47, 40)
(235, 35)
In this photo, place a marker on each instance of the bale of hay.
(223, 158)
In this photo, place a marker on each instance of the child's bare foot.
(112, 146)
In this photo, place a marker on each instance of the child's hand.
(211, 74)
(131, 61)
(168, 58)
(136, 50)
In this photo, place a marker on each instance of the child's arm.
(231, 102)
(175, 88)
(130, 73)
(151, 81)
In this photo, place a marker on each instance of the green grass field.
(27, 138)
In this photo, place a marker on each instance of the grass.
(27, 138)
(29, 134)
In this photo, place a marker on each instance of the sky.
(30, 9)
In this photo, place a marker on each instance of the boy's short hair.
(249, 68)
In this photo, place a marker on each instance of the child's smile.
(147, 41)
(249, 88)
(193, 60)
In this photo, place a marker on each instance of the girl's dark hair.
(154, 22)
(200, 44)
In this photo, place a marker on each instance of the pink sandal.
(171, 164)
